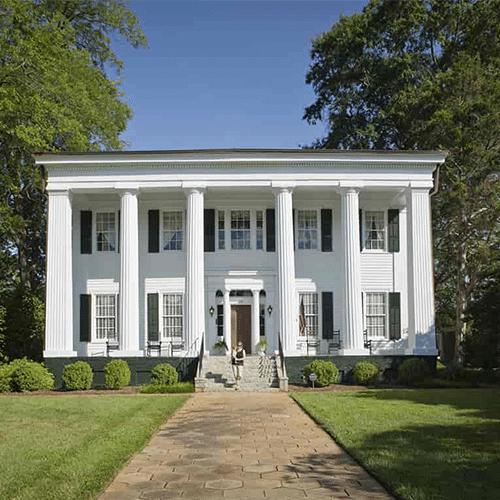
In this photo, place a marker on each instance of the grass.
(421, 444)
(180, 387)
(68, 447)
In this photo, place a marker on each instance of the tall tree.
(424, 74)
(55, 95)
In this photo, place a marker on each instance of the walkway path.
(242, 445)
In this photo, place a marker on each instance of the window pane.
(105, 231)
(172, 230)
(307, 223)
(259, 232)
(222, 230)
(375, 231)
(172, 315)
(240, 229)
(105, 317)
(309, 312)
(376, 314)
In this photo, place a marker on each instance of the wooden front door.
(241, 327)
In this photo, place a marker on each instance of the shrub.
(365, 372)
(30, 376)
(326, 372)
(164, 374)
(77, 376)
(181, 387)
(117, 374)
(6, 382)
(411, 371)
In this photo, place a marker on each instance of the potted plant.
(262, 343)
(220, 347)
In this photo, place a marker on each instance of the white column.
(421, 328)
(195, 314)
(255, 320)
(59, 291)
(287, 306)
(129, 276)
(352, 336)
(227, 322)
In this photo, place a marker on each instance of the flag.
(302, 319)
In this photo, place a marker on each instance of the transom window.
(240, 229)
(307, 228)
(172, 230)
(308, 314)
(376, 313)
(105, 317)
(105, 231)
(172, 315)
(374, 231)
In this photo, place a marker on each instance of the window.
(262, 313)
(172, 230)
(172, 315)
(307, 228)
(105, 317)
(222, 230)
(105, 231)
(374, 231)
(259, 234)
(375, 315)
(308, 314)
(240, 229)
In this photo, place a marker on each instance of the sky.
(225, 74)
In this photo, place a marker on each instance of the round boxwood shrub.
(5, 378)
(164, 374)
(30, 376)
(326, 372)
(117, 374)
(77, 376)
(411, 371)
(365, 372)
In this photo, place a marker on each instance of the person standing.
(238, 359)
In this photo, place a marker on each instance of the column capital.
(130, 191)
(63, 192)
(193, 187)
(345, 190)
(282, 187)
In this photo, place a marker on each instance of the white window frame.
(221, 230)
(312, 327)
(259, 231)
(97, 232)
(172, 315)
(96, 317)
(385, 315)
(241, 230)
(298, 230)
(164, 215)
(366, 230)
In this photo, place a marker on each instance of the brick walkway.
(242, 445)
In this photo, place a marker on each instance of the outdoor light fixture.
(211, 310)
(269, 309)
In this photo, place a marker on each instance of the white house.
(329, 250)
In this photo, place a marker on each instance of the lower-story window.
(172, 315)
(105, 317)
(376, 314)
(308, 314)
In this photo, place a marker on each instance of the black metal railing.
(182, 364)
(366, 341)
(199, 370)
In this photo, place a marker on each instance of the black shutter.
(85, 317)
(393, 230)
(153, 231)
(119, 232)
(270, 230)
(209, 223)
(85, 231)
(326, 230)
(394, 316)
(327, 304)
(361, 246)
(153, 317)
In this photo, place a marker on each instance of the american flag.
(302, 319)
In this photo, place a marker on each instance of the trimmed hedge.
(77, 376)
(117, 374)
(164, 374)
(365, 373)
(6, 378)
(326, 372)
(411, 371)
(29, 375)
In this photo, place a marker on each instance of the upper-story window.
(307, 229)
(106, 231)
(259, 230)
(375, 230)
(222, 229)
(240, 229)
(172, 230)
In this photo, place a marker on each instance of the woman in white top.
(237, 359)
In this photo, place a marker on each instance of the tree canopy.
(58, 92)
(424, 74)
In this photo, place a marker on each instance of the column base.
(126, 354)
(60, 354)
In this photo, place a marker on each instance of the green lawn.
(68, 447)
(422, 444)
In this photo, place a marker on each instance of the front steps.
(259, 374)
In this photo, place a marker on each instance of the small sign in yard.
(312, 378)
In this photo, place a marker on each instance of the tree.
(424, 74)
(55, 95)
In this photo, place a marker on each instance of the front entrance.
(241, 326)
